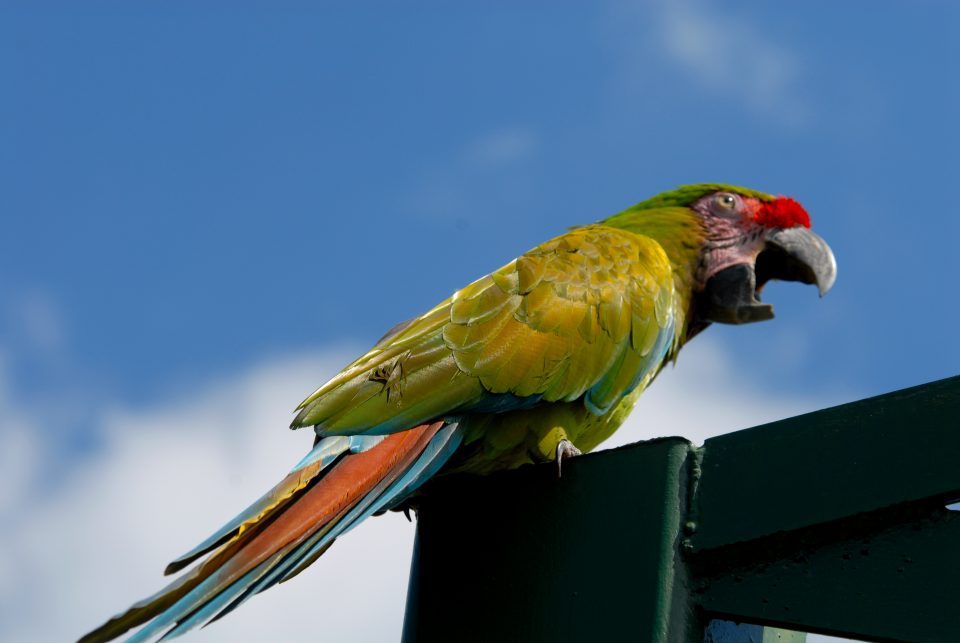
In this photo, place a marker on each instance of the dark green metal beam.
(830, 522)
(835, 521)
(895, 583)
(866, 456)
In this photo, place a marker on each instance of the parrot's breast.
(495, 442)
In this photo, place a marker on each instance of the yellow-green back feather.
(587, 315)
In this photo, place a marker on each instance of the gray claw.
(565, 449)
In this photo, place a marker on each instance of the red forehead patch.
(782, 212)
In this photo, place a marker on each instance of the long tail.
(289, 527)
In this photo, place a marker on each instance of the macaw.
(538, 361)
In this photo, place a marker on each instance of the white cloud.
(166, 478)
(502, 147)
(19, 455)
(35, 319)
(169, 475)
(725, 54)
(702, 396)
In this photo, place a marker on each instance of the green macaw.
(537, 361)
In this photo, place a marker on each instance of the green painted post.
(525, 556)
(833, 522)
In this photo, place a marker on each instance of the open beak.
(791, 254)
(797, 254)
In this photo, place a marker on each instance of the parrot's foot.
(565, 449)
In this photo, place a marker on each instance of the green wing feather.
(586, 314)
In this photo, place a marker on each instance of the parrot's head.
(751, 238)
(729, 242)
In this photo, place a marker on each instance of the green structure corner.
(832, 522)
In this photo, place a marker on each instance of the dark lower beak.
(790, 254)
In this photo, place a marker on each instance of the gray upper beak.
(797, 254)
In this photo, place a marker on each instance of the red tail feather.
(346, 483)
(285, 525)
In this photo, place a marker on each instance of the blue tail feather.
(196, 608)
(326, 451)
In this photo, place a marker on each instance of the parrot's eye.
(726, 201)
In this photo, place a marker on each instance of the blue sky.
(202, 202)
